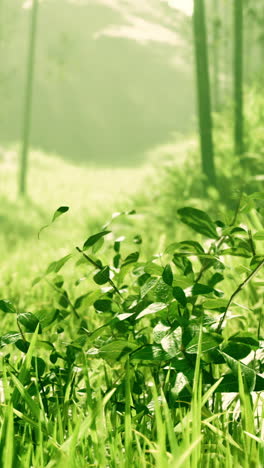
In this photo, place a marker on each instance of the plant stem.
(239, 288)
(100, 267)
(21, 331)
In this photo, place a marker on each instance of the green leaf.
(102, 276)
(47, 317)
(98, 245)
(93, 239)
(116, 349)
(179, 295)
(259, 235)
(7, 307)
(36, 280)
(24, 369)
(29, 321)
(237, 252)
(172, 343)
(58, 281)
(117, 214)
(137, 239)
(38, 365)
(183, 264)
(259, 386)
(248, 373)
(64, 299)
(103, 305)
(131, 258)
(152, 309)
(230, 384)
(124, 316)
(201, 289)
(153, 269)
(56, 266)
(256, 196)
(199, 221)
(10, 338)
(162, 292)
(148, 286)
(116, 260)
(212, 304)
(167, 275)
(22, 345)
(246, 338)
(216, 278)
(190, 246)
(159, 331)
(236, 350)
(60, 211)
(209, 341)
(20, 389)
(151, 353)
(180, 383)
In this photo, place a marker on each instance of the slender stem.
(21, 331)
(239, 288)
(100, 267)
(251, 242)
(221, 240)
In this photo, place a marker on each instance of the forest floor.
(91, 193)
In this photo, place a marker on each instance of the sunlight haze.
(184, 5)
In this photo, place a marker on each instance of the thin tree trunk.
(215, 55)
(228, 50)
(238, 77)
(203, 91)
(28, 100)
(249, 43)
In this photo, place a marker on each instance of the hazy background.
(113, 78)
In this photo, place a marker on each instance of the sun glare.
(184, 5)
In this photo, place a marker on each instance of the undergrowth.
(140, 360)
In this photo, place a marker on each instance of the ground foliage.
(138, 356)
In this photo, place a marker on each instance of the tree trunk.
(28, 100)
(203, 91)
(216, 55)
(238, 77)
(228, 58)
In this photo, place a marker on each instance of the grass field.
(92, 195)
(122, 366)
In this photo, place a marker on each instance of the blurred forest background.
(112, 78)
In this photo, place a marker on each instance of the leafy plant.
(162, 320)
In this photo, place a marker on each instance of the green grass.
(60, 405)
(92, 195)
